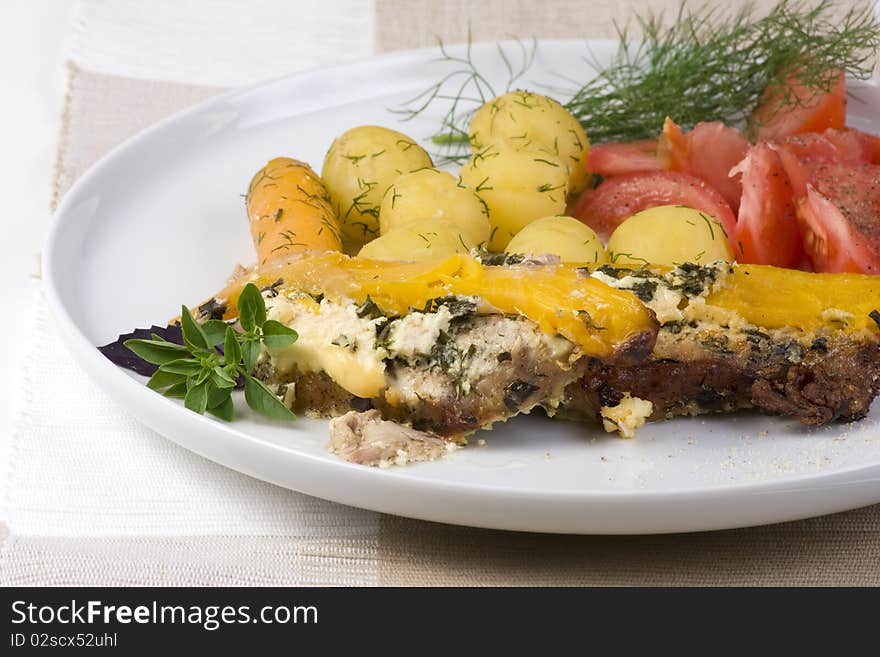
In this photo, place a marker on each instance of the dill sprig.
(466, 88)
(707, 65)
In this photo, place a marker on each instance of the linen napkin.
(95, 498)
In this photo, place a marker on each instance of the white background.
(33, 40)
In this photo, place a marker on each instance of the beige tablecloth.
(361, 547)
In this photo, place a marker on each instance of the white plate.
(160, 221)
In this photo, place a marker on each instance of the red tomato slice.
(766, 230)
(618, 159)
(603, 209)
(847, 145)
(773, 119)
(873, 145)
(840, 217)
(709, 152)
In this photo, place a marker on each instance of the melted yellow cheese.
(594, 316)
(778, 298)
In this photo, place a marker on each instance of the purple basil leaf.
(120, 355)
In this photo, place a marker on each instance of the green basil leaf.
(277, 336)
(158, 338)
(204, 375)
(221, 379)
(251, 308)
(216, 395)
(162, 379)
(193, 335)
(264, 401)
(250, 352)
(225, 410)
(196, 399)
(157, 353)
(234, 371)
(231, 348)
(178, 390)
(188, 366)
(214, 331)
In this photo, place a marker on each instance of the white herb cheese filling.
(417, 333)
(332, 339)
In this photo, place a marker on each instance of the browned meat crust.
(673, 387)
(831, 382)
(839, 385)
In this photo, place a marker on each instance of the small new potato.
(532, 121)
(437, 195)
(517, 186)
(669, 235)
(566, 237)
(360, 165)
(422, 239)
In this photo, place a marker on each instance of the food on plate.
(669, 235)
(531, 121)
(517, 185)
(565, 237)
(619, 159)
(674, 288)
(603, 209)
(793, 107)
(365, 438)
(421, 239)
(359, 166)
(766, 229)
(745, 336)
(709, 152)
(698, 65)
(844, 145)
(436, 195)
(838, 215)
(447, 347)
(557, 298)
(290, 211)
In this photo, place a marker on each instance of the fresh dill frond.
(466, 88)
(708, 67)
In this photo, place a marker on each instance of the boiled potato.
(566, 237)
(360, 165)
(532, 121)
(437, 195)
(518, 186)
(422, 239)
(669, 235)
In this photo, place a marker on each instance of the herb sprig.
(466, 88)
(706, 65)
(214, 357)
(712, 66)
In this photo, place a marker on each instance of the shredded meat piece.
(365, 438)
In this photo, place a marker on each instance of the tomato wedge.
(709, 152)
(603, 209)
(845, 145)
(618, 159)
(766, 230)
(815, 111)
(839, 217)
